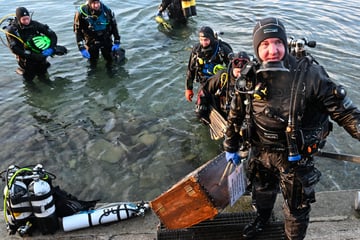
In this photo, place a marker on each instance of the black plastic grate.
(225, 226)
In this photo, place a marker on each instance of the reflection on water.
(128, 133)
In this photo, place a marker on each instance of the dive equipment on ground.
(24, 202)
(18, 190)
(106, 214)
(43, 204)
(32, 203)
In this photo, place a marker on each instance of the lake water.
(129, 134)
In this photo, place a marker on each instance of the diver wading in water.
(178, 11)
(207, 57)
(96, 30)
(32, 42)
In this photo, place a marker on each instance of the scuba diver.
(96, 30)
(178, 11)
(215, 95)
(281, 113)
(32, 42)
(219, 88)
(207, 57)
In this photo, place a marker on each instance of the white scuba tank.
(43, 205)
(100, 216)
(17, 192)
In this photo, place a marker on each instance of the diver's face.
(204, 41)
(25, 20)
(271, 50)
(95, 5)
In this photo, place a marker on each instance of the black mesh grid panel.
(225, 226)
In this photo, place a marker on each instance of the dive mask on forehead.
(239, 62)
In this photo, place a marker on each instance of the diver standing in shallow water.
(178, 11)
(208, 56)
(96, 30)
(32, 42)
(219, 89)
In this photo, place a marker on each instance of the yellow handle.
(162, 21)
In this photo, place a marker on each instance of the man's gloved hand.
(115, 47)
(189, 95)
(48, 52)
(232, 157)
(159, 14)
(85, 53)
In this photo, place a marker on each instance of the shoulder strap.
(83, 10)
(222, 43)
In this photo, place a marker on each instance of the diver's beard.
(206, 51)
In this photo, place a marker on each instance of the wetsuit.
(174, 9)
(20, 40)
(94, 31)
(201, 66)
(307, 94)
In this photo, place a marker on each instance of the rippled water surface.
(129, 134)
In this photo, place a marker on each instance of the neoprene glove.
(189, 95)
(232, 157)
(115, 47)
(48, 52)
(159, 14)
(85, 53)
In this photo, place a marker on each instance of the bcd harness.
(96, 23)
(297, 139)
(207, 68)
(35, 43)
(224, 86)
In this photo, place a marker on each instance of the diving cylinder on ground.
(16, 202)
(100, 216)
(43, 204)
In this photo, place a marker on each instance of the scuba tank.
(112, 213)
(32, 203)
(18, 209)
(188, 8)
(43, 203)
